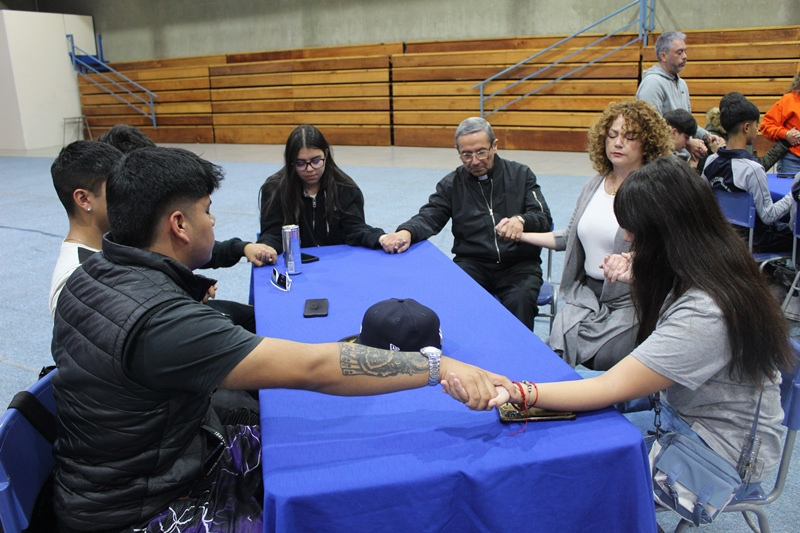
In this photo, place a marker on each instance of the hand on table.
(617, 267)
(510, 229)
(260, 254)
(478, 389)
(395, 243)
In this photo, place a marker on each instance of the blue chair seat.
(26, 460)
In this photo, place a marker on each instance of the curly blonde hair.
(641, 119)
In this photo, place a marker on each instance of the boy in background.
(683, 127)
(734, 169)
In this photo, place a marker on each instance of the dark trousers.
(516, 285)
(240, 314)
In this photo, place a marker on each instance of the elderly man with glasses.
(485, 191)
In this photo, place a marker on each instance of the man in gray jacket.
(663, 87)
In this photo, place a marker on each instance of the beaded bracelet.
(536, 398)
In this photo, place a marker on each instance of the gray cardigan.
(584, 323)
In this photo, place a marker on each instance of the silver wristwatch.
(434, 356)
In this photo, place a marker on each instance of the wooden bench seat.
(415, 93)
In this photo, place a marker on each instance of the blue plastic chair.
(755, 502)
(26, 459)
(795, 260)
(740, 210)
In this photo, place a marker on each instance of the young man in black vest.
(139, 357)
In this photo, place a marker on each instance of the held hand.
(697, 148)
(477, 386)
(260, 254)
(510, 229)
(395, 243)
(453, 386)
(617, 267)
(793, 136)
(715, 142)
(211, 293)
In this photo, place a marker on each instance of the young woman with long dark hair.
(314, 193)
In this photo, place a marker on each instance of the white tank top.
(597, 229)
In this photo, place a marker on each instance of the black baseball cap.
(399, 324)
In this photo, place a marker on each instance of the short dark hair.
(735, 110)
(681, 120)
(82, 165)
(147, 183)
(126, 138)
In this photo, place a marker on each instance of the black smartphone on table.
(316, 307)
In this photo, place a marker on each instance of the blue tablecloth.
(417, 460)
(778, 186)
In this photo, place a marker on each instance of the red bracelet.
(524, 407)
(522, 393)
(536, 399)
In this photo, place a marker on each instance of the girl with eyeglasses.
(314, 193)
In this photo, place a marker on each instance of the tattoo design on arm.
(359, 360)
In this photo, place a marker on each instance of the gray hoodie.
(666, 92)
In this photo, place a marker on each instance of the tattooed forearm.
(359, 360)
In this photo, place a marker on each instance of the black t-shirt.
(188, 346)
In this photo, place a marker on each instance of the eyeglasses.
(281, 281)
(481, 154)
(628, 135)
(315, 163)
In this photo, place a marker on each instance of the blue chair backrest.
(738, 207)
(26, 459)
(790, 393)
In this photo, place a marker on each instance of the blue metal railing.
(645, 23)
(81, 66)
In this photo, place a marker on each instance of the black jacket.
(476, 208)
(347, 227)
(226, 253)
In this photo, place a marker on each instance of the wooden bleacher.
(433, 90)
(416, 93)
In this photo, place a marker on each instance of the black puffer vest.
(124, 451)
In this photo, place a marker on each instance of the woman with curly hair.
(313, 192)
(782, 124)
(596, 326)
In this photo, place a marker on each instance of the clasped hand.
(510, 229)
(395, 243)
(260, 254)
(617, 267)
(478, 389)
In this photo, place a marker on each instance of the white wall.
(82, 30)
(38, 87)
